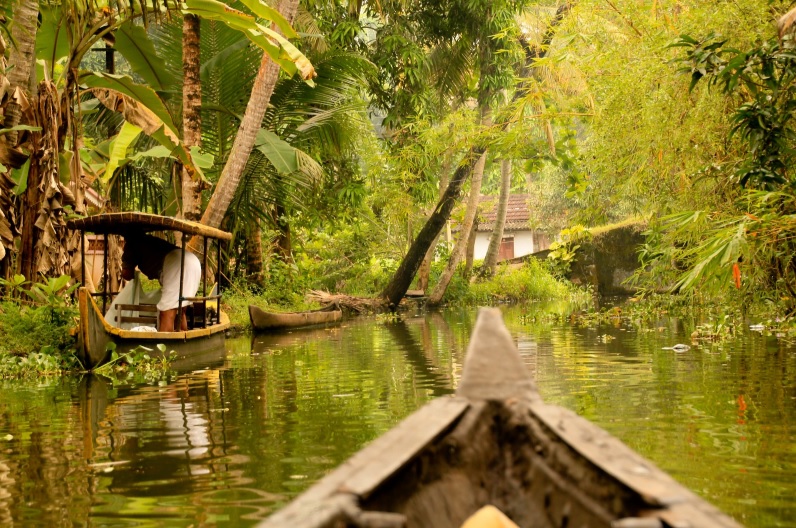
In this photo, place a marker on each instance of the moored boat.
(262, 320)
(127, 319)
(496, 443)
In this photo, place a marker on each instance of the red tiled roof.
(518, 214)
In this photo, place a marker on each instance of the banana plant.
(277, 46)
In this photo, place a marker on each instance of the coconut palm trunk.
(191, 115)
(252, 120)
(469, 253)
(491, 258)
(23, 58)
(464, 235)
(254, 253)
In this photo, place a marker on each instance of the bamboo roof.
(133, 222)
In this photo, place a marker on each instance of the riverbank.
(40, 339)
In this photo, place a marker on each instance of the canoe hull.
(97, 338)
(265, 321)
(496, 443)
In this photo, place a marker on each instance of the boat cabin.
(121, 320)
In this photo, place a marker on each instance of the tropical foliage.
(338, 140)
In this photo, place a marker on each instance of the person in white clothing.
(160, 259)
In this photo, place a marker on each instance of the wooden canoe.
(265, 321)
(496, 443)
(97, 338)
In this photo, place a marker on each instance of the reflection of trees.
(320, 394)
(42, 470)
(426, 365)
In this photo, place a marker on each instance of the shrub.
(531, 282)
(35, 341)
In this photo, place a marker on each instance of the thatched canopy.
(127, 223)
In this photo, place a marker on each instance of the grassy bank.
(530, 282)
(40, 339)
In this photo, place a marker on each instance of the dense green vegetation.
(342, 145)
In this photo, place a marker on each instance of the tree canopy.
(366, 117)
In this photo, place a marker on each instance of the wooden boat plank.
(611, 455)
(199, 332)
(368, 468)
(696, 513)
(616, 459)
(389, 453)
(493, 369)
(363, 470)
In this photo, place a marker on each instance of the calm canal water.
(228, 442)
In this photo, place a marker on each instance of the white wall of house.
(523, 243)
(481, 245)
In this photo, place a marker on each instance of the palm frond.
(308, 166)
(453, 66)
(312, 37)
(300, 113)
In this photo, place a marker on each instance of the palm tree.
(302, 126)
(264, 84)
(492, 252)
(191, 115)
(464, 235)
(23, 34)
(316, 125)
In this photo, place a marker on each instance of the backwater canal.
(230, 441)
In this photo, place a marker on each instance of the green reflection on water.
(229, 442)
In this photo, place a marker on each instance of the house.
(519, 238)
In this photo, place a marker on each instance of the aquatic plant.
(138, 363)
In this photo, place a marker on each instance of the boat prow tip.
(493, 368)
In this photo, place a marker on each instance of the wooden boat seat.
(151, 320)
(203, 311)
(195, 314)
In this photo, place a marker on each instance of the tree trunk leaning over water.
(251, 123)
(425, 268)
(492, 253)
(464, 234)
(191, 115)
(406, 271)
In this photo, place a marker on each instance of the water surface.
(227, 442)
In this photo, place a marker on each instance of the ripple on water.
(227, 444)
